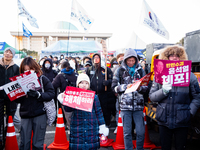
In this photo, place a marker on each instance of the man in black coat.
(8, 69)
(98, 83)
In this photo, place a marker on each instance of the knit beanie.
(82, 77)
(11, 49)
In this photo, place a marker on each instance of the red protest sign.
(144, 81)
(13, 90)
(175, 72)
(78, 98)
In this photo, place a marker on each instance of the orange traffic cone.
(60, 139)
(119, 143)
(11, 139)
(147, 142)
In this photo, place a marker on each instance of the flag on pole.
(150, 20)
(80, 15)
(26, 32)
(25, 13)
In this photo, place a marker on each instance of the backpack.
(69, 83)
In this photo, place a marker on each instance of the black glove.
(105, 82)
(33, 93)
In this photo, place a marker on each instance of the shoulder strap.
(120, 74)
(41, 83)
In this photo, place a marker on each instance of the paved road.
(153, 135)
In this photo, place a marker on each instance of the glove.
(166, 88)
(60, 98)
(105, 82)
(103, 130)
(33, 93)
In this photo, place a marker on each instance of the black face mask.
(120, 62)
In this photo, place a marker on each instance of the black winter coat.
(61, 82)
(32, 107)
(49, 73)
(97, 77)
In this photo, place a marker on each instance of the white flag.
(80, 15)
(150, 20)
(25, 13)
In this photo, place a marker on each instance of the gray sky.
(120, 17)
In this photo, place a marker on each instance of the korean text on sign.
(175, 72)
(78, 98)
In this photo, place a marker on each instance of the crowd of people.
(109, 86)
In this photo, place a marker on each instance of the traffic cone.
(119, 143)
(60, 139)
(11, 139)
(147, 143)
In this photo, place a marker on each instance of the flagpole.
(69, 29)
(18, 32)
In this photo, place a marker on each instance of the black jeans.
(180, 136)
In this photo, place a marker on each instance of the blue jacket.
(84, 127)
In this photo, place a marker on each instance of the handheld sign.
(175, 72)
(79, 98)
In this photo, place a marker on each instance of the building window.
(76, 38)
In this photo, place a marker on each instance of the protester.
(47, 69)
(85, 126)
(107, 98)
(112, 62)
(110, 57)
(120, 58)
(76, 64)
(67, 77)
(8, 69)
(32, 112)
(61, 57)
(85, 59)
(88, 63)
(176, 105)
(51, 57)
(131, 104)
(41, 61)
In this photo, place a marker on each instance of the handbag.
(49, 107)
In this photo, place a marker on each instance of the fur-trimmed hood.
(173, 50)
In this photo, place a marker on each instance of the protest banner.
(78, 98)
(175, 72)
(29, 82)
(20, 76)
(144, 81)
(13, 90)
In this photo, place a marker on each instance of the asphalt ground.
(192, 144)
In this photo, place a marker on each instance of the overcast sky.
(119, 17)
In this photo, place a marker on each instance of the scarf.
(70, 71)
(131, 70)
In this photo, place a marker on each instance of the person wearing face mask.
(47, 69)
(32, 112)
(176, 105)
(120, 58)
(41, 62)
(97, 75)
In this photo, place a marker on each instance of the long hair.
(32, 65)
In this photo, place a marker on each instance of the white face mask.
(41, 63)
(114, 66)
(47, 66)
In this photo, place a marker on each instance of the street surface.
(193, 144)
